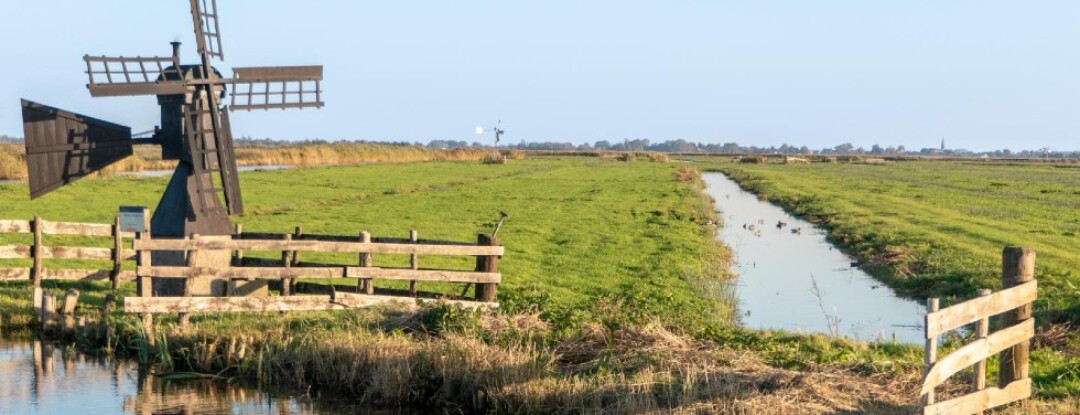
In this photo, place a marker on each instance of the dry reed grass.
(514, 366)
(13, 160)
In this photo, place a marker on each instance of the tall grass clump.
(12, 162)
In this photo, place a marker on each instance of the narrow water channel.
(43, 378)
(791, 278)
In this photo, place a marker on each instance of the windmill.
(498, 133)
(62, 146)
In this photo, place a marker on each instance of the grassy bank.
(613, 298)
(938, 228)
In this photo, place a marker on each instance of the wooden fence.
(289, 268)
(1017, 327)
(38, 252)
(485, 276)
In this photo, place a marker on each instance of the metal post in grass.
(36, 253)
(117, 254)
(1017, 267)
(414, 261)
(486, 263)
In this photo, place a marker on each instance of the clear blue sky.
(983, 74)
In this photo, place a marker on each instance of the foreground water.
(791, 277)
(40, 378)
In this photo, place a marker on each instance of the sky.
(983, 75)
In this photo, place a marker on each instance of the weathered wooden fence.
(1017, 327)
(485, 276)
(38, 252)
(289, 268)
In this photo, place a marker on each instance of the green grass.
(579, 230)
(600, 251)
(938, 229)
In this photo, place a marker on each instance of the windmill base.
(173, 218)
(204, 286)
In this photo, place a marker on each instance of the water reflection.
(40, 378)
(790, 277)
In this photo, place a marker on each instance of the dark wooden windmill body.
(204, 189)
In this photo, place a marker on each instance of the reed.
(13, 159)
(12, 162)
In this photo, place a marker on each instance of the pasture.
(937, 228)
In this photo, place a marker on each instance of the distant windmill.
(62, 146)
(498, 133)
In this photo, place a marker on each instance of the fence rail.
(1011, 341)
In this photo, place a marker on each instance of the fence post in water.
(366, 284)
(414, 261)
(143, 282)
(286, 261)
(35, 253)
(486, 263)
(1017, 267)
(931, 347)
(117, 254)
(71, 299)
(48, 310)
(982, 329)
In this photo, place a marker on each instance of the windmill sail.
(62, 146)
(276, 87)
(122, 76)
(207, 31)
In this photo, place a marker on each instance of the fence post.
(192, 256)
(37, 301)
(286, 261)
(298, 234)
(1017, 267)
(486, 263)
(144, 282)
(365, 284)
(239, 234)
(36, 253)
(982, 329)
(48, 310)
(931, 348)
(71, 299)
(414, 261)
(117, 254)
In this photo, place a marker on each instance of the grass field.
(613, 297)
(938, 228)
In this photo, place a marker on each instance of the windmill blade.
(62, 146)
(121, 76)
(207, 31)
(230, 181)
(278, 87)
(203, 150)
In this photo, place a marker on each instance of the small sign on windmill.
(62, 146)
